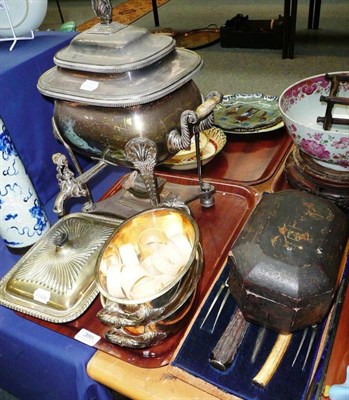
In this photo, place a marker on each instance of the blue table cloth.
(35, 362)
(25, 111)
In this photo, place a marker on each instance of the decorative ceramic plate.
(25, 16)
(257, 131)
(186, 154)
(248, 113)
(216, 141)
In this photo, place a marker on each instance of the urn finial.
(103, 10)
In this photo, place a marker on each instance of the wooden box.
(241, 32)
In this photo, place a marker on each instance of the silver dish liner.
(55, 279)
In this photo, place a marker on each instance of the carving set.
(226, 349)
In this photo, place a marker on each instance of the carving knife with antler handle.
(226, 348)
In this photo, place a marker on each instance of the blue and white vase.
(23, 220)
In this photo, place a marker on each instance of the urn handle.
(193, 122)
(206, 108)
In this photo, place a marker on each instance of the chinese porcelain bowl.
(300, 106)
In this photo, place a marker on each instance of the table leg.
(60, 11)
(293, 22)
(155, 12)
(311, 14)
(286, 29)
(314, 14)
(316, 19)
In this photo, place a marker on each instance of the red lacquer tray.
(219, 227)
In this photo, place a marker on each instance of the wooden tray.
(339, 360)
(245, 159)
(219, 227)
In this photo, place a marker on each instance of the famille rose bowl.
(300, 107)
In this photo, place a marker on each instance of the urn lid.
(114, 48)
(127, 88)
(114, 65)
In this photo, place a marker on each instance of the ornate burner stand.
(303, 173)
(332, 99)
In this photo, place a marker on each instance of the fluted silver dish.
(54, 280)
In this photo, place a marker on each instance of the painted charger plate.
(216, 141)
(248, 113)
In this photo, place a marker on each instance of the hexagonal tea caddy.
(285, 262)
